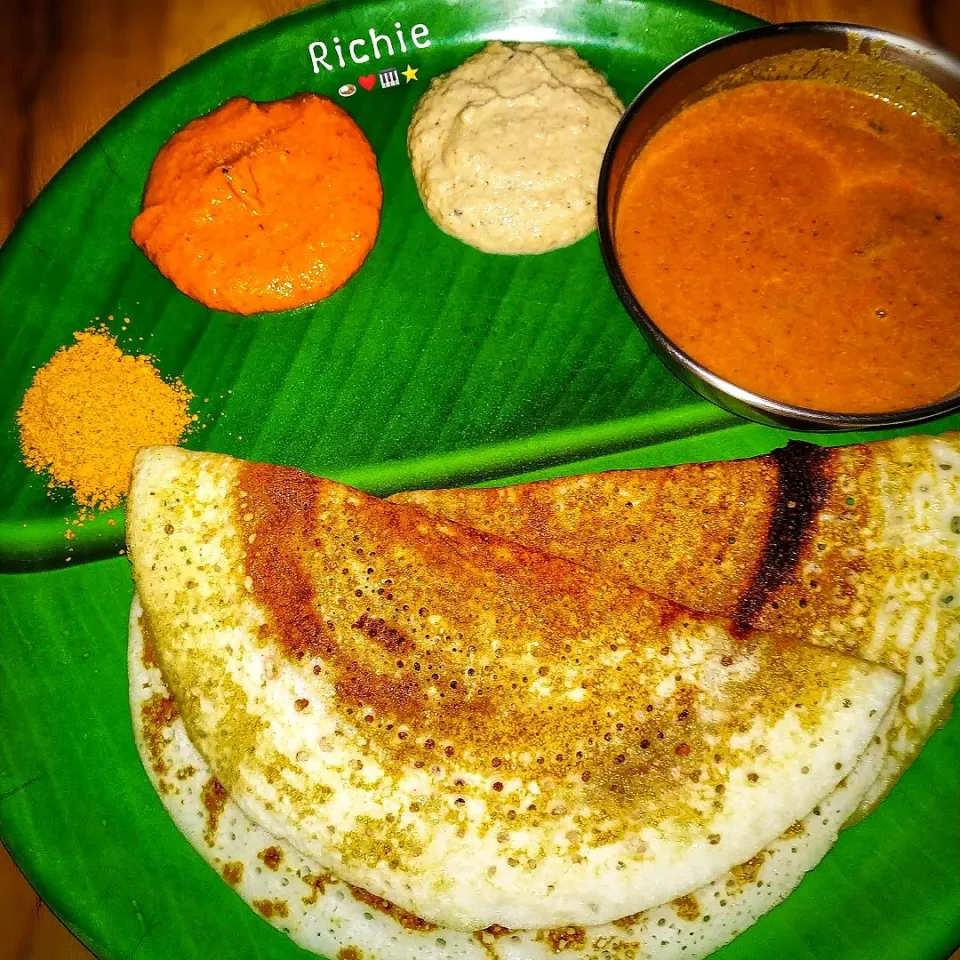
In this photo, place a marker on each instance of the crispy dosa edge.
(778, 542)
(326, 916)
(276, 512)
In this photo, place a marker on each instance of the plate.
(435, 365)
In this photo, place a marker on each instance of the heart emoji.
(368, 81)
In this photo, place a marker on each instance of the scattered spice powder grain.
(89, 409)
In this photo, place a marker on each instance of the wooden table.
(68, 66)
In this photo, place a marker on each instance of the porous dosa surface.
(474, 731)
(855, 548)
(330, 917)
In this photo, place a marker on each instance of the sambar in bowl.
(780, 213)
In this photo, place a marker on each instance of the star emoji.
(410, 73)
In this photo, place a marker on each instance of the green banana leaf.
(436, 364)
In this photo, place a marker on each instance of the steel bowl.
(695, 76)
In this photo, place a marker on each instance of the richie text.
(361, 49)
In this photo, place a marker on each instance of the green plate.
(436, 364)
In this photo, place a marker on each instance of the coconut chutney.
(506, 148)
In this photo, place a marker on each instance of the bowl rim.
(769, 409)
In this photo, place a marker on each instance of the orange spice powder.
(88, 411)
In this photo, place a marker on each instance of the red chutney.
(262, 206)
(802, 240)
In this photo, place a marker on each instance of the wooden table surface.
(68, 66)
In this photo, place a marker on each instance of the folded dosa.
(855, 548)
(333, 919)
(477, 732)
